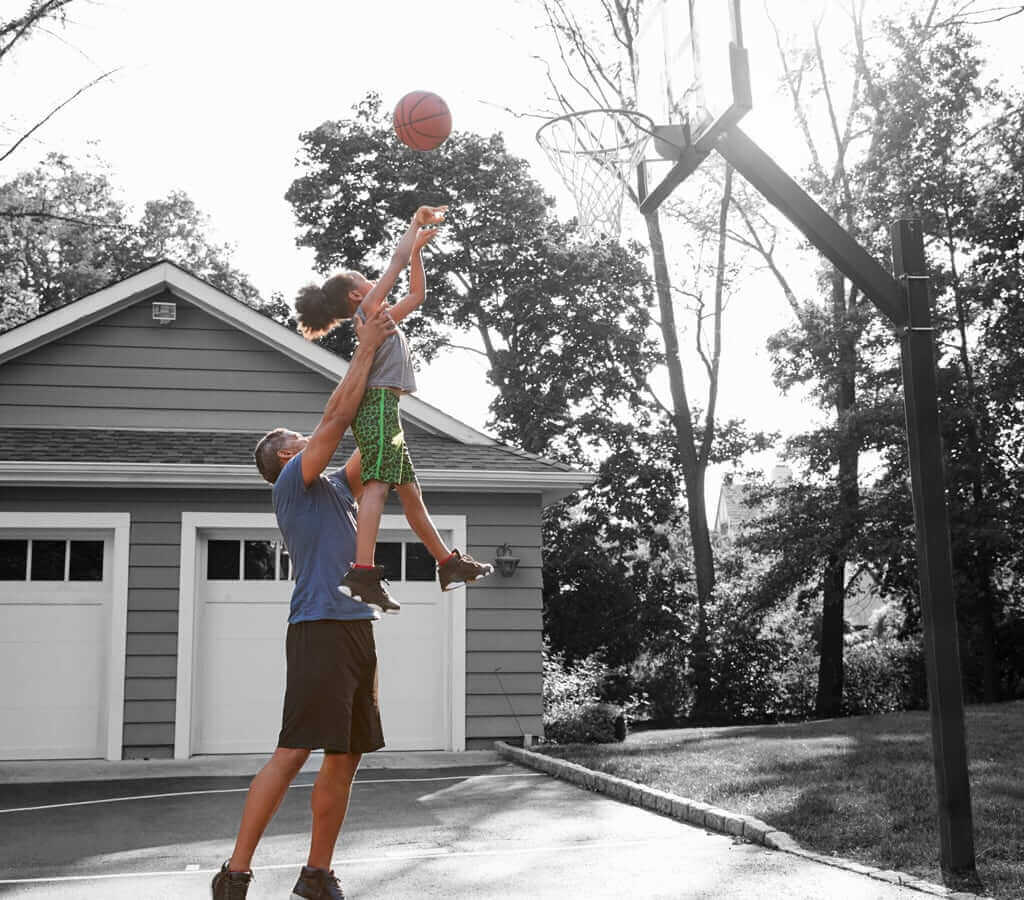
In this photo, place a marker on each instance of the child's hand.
(424, 237)
(429, 215)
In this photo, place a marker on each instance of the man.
(331, 694)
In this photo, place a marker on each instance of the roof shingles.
(235, 448)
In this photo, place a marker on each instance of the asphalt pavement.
(494, 830)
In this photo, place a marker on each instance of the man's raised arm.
(344, 402)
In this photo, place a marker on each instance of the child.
(380, 441)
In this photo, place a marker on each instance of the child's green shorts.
(380, 439)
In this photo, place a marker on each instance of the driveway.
(493, 830)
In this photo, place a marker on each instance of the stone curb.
(711, 818)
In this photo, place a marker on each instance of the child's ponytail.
(320, 309)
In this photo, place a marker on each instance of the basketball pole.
(935, 563)
(904, 301)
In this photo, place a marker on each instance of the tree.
(561, 322)
(67, 234)
(563, 325)
(904, 146)
(13, 33)
(601, 68)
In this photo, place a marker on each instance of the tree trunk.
(830, 670)
(984, 567)
(828, 703)
(693, 472)
(986, 612)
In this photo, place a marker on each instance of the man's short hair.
(267, 460)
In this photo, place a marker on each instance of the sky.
(211, 95)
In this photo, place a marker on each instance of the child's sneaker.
(461, 569)
(229, 885)
(317, 884)
(368, 585)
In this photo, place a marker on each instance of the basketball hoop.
(596, 152)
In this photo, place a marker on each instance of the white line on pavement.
(391, 857)
(242, 790)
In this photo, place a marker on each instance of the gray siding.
(503, 619)
(127, 371)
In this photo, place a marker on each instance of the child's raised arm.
(417, 278)
(425, 215)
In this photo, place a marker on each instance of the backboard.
(693, 81)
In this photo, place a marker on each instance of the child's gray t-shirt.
(392, 365)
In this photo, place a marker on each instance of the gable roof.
(167, 276)
(449, 454)
(734, 508)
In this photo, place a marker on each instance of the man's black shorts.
(331, 698)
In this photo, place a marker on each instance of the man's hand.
(429, 215)
(423, 238)
(376, 329)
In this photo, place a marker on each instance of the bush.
(883, 676)
(796, 683)
(660, 677)
(587, 723)
(572, 684)
(574, 711)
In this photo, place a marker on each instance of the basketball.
(422, 120)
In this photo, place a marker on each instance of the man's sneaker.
(229, 885)
(317, 884)
(368, 585)
(458, 570)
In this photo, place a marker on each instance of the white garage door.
(55, 607)
(243, 596)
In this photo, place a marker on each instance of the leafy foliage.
(573, 709)
(64, 233)
(884, 676)
(561, 322)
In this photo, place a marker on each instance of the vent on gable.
(165, 313)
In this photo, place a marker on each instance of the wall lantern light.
(505, 561)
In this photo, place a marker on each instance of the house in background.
(734, 507)
(144, 586)
(735, 510)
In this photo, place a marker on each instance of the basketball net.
(596, 152)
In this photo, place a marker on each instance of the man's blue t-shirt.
(318, 524)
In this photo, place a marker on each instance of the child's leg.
(371, 507)
(419, 519)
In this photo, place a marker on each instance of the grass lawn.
(861, 788)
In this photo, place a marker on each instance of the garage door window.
(51, 560)
(247, 561)
(419, 565)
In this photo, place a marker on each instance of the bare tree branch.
(716, 354)
(768, 254)
(54, 112)
(793, 83)
(968, 14)
(14, 30)
(71, 220)
(476, 350)
(840, 178)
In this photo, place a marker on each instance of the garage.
(61, 639)
(243, 583)
(136, 427)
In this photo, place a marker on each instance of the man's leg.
(265, 795)
(330, 803)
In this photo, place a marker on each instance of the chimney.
(781, 475)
